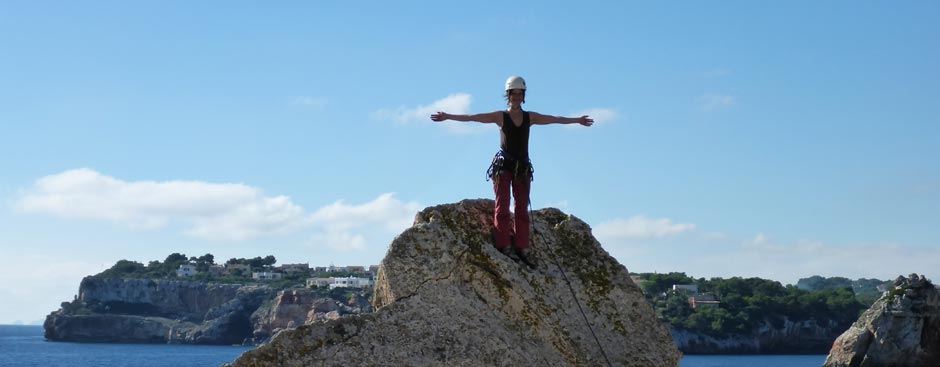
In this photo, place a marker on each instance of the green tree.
(124, 269)
(655, 284)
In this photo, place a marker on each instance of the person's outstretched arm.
(487, 118)
(540, 119)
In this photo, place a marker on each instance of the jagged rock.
(901, 329)
(294, 307)
(445, 297)
(289, 309)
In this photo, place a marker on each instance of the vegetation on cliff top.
(126, 269)
(744, 304)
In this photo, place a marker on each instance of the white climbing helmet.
(515, 82)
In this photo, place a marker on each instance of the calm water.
(24, 346)
(754, 361)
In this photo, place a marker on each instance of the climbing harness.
(503, 161)
(567, 281)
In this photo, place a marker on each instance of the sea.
(24, 346)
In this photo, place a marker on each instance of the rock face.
(791, 337)
(158, 311)
(445, 297)
(295, 307)
(902, 329)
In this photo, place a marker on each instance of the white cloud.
(339, 241)
(458, 103)
(233, 212)
(213, 211)
(711, 102)
(386, 211)
(640, 227)
(341, 226)
(759, 240)
(600, 115)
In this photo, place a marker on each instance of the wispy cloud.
(640, 227)
(600, 115)
(711, 102)
(213, 211)
(309, 101)
(341, 226)
(458, 103)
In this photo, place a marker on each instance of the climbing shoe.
(526, 257)
(509, 253)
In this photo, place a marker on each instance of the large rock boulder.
(901, 329)
(445, 297)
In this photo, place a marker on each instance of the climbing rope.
(567, 281)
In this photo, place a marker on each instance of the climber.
(511, 167)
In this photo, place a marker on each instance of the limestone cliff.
(902, 329)
(157, 311)
(790, 337)
(445, 297)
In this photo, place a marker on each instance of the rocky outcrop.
(902, 329)
(445, 297)
(157, 311)
(295, 307)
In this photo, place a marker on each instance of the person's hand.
(586, 121)
(439, 116)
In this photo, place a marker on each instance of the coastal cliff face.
(445, 297)
(901, 329)
(801, 337)
(183, 312)
(157, 311)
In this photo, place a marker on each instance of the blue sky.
(732, 138)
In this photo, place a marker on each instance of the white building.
(266, 275)
(351, 282)
(319, 282)
(691, 288)
(186, 270)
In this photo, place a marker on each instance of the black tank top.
(513, 139)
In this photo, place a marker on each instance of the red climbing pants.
(503, 220)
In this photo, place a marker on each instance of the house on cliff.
(186, 270)
(266, 275)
